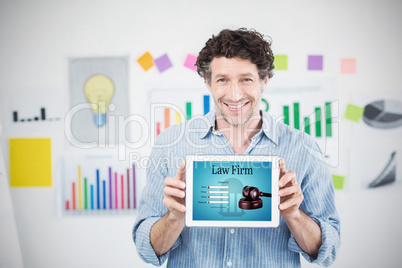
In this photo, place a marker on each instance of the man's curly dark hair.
(242, 43)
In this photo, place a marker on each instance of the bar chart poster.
(309, 106)
(173, 106)
(39, 110)
(97, 185)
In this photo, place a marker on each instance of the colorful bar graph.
(328, 120)
(109, 194)
(306, 120)
(296, 115)
(286, 115)
(317, 121)
(188, 110)
(206, 104)
(172, 115)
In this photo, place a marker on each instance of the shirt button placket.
(230, 237)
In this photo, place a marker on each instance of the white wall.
(37, 37)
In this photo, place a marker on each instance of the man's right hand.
(174, 194)
(165, 231)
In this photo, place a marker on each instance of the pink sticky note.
(190, 62)
(348, 66)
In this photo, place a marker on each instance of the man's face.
(236, 89)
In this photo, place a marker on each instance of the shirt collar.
(210, 124)
(268, 126)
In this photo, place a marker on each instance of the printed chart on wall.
(37, 111)
(376, 168)
(309, 106)
(172, 106)
(97, 185)
(98, 95)
(376, 115)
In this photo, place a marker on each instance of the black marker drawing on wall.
(383, 114)
(388, 175)
(43, 117)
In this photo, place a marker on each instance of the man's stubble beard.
(253, 112)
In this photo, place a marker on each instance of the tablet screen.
(232, 191)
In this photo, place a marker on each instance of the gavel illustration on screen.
(252, 198)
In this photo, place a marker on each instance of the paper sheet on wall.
(10, 252)
(366, 169)
(381, 115)
(30, 162)
(103, 82)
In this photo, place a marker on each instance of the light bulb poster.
(98, 96)
(99, 90)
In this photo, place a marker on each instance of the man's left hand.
(290, 193)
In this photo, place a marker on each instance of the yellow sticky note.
(354, 113)
(338, 181)
(281, 62)
(30, 162)
(146, 61)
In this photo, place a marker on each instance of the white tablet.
(232, 191)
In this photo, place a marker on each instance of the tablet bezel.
(244, 158)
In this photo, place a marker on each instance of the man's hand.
(305, 230)
(174, 194)
(290, 193)
(166, 230)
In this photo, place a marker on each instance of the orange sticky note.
(348, 66)
(146, 61)
(30, 162)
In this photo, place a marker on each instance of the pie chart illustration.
(383, 114)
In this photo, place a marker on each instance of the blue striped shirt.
(238, 247)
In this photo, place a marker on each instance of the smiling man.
(236, 66)
(236, 89)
